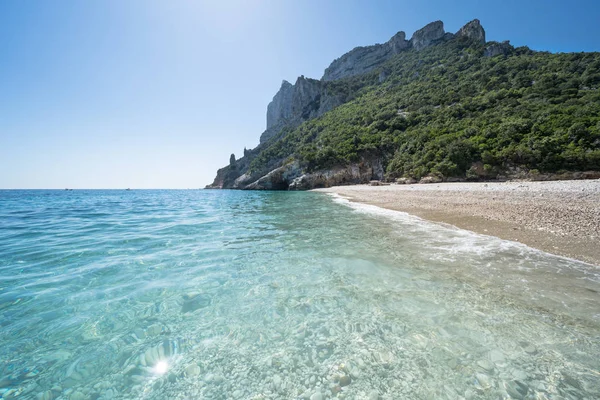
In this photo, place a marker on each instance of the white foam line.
(491, 241)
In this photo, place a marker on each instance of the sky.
(158, 94)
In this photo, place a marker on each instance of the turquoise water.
(246, 295)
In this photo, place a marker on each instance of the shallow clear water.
(225, 294)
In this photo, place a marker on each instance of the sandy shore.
(560, 217)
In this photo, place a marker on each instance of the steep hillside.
(438, 107)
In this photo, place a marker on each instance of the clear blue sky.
(158, 94)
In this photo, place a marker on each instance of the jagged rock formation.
(309, 98)
(294, 104)
(292, 177)
(494, 49)
(280, 109)
(474, 31)
(428, 35)
(364, 59)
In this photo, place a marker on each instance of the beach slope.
(559, 217)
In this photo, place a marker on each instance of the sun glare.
(161, 367)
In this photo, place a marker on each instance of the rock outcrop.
(278, 179)
(292, 177)
(280, 109)
(353, 174)
(294, 104)
(474, 31)
(364, 59)
(428, 35)
(494, 49)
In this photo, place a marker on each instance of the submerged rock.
(47, 395)
(485, 365)
(516, 389)
(345, 380)
(316, 396)
(374, 396)
(192, 370)
(193, 302)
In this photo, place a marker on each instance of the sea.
(209, 294)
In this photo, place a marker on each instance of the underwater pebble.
(47, 395)
(516, 389)
(192, 370)
(345, 380)
(531, 349)
(78, 396)
(316, 396)
(373, 396)
(496, 356)
(484, 380)
(485, 365)
(154, 330)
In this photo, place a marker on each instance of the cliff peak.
(361, 60)
(474, 31)
(280, 109)
(428, 35)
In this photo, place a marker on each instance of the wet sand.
(559, 217)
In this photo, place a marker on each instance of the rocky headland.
(310, 98)
(378, 113)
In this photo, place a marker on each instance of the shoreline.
(558, 217)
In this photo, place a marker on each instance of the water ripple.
(218, 295)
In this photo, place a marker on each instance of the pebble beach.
(559, 217)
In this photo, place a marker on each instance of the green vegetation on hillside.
(449, 111)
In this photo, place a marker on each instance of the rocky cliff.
(428, 35)
(294, 104)
(364, 59)
(280, 109)
(474, 31)
(494, 49)
(310, 98)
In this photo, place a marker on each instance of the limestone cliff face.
(361, 60)
(292, 177)
(494, 49)
(474, 31)
(428, 35)
(294, 104)
(364, 59)
(280, 109)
